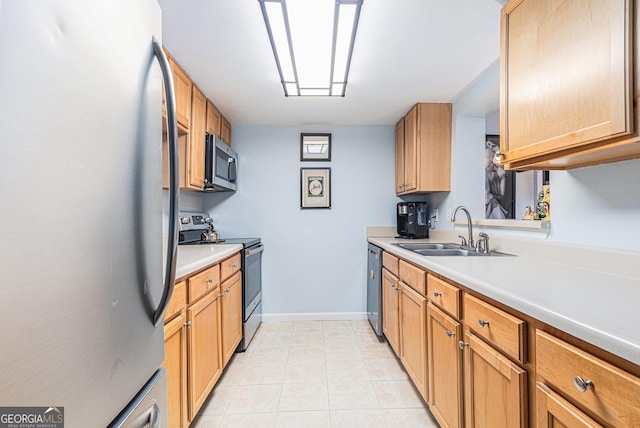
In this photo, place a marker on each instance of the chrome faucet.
(469, 226)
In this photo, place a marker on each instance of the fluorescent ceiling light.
(312, 42)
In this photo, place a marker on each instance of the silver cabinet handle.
(209, 280)
(437, 294)
(174, 181)
(450, 333)
(226, 290)
(581, 384)
(188, 324)
(482, 322)
(462, 345)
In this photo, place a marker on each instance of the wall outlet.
(435, 215)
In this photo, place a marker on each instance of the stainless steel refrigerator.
(84, 272)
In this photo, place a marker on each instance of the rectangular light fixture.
(312, 42)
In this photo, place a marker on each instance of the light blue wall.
(314, 260)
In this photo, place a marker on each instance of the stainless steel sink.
(446, 250)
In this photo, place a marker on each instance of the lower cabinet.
(175, 349)
(390, 310)
(413, 336)
(445, 368)
(554, 411)
(203, 327)
(495, 387)
(205, 360)
(231, 310)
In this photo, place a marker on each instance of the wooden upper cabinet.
(566, 83)
(213, 119)
(225, 130)
(423, 149)
(195, 157)
(182, 85)
(400, 156)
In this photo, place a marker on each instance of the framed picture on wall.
(315, 147)
(315, 188)
(499, 184)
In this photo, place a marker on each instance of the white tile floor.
(315, 374)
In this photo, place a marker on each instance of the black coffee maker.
(413, 220)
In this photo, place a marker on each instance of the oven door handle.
(254, 251)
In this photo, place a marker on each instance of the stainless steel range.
(197, 228)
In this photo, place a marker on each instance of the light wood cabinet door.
(495, 387)
(413, 336)
(410, 153)
(400, 156)
(423, 161)
(205, 360)
(553, 411)
(225, 130)
(566, 77)
(445, 368)
(195, 154)
(175, 350)
(231, 306)
(390, 313)
(182, 85)
(213, 119)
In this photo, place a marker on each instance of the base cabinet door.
(175, 348)
(231, 306)
(445, 368)
(553, 411)
(495, 387)
(413, 336)
(205, 360)
(390, 321)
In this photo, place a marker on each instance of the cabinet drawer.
(229, 266)
(444, 295)
(413, 277)
(499, 328)
(178, 300)
(390, 262)
(553, 411)
(202, 283)
(612, 394)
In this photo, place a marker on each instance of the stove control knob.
(185, 220)
(208, 220)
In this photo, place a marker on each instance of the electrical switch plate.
(435, 214)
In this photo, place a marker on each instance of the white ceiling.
(405, 51)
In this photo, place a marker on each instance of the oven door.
(252, 279)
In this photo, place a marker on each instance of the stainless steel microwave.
(220, 166)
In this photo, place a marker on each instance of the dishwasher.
(374, 288)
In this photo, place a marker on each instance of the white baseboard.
(319, 316)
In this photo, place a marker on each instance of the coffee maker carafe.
(413, 220)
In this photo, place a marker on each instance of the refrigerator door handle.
(172, 132)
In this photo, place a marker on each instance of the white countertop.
(192, 258)
(595, 304)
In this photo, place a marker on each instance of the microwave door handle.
(172, 132)
(232, 173)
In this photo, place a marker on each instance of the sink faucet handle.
(464, 240)
(483, 243)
